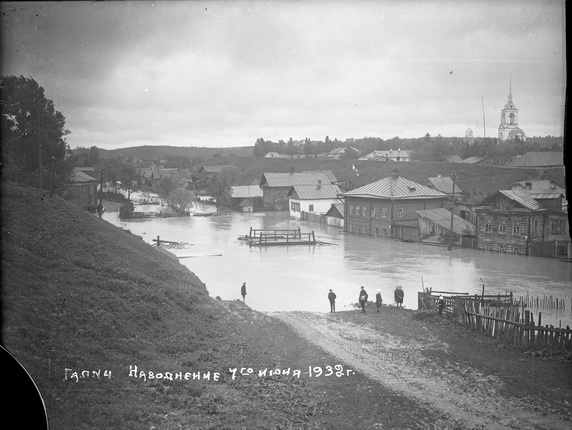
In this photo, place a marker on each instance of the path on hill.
(404, 364)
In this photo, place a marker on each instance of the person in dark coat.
(441, 304)
(378, 300)
(399, 296)
(362, 299)
(332, 299)
(243, 291)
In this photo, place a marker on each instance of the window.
(516, 229)
(351, 210)
(557, 226)
(488, 226)
(82, 190)
(375, 212)
(311, 208)
(400, 213)
(535, 227)
(295, 206)
(384, 212)
(358, 210)
(502, 228)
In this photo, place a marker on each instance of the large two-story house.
(523, 221)
(275, 187)
(388, 207)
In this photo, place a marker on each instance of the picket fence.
(498, 316)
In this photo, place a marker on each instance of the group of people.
(362, 299)
(363, 296)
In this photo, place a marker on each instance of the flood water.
(297, 278)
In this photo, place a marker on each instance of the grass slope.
(81, 294)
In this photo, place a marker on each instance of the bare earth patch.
(434, 361)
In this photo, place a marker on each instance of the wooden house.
(275, 187)
(388, 155)
(81, 189)
(312, 199)
(526, 222)
(388, 207)
(199, 178)
(246, 197)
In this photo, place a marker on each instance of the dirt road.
(406, 356)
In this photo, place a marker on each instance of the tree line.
(426, 148)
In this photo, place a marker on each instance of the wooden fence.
(499, 317)
(545, 302)
(514, 325)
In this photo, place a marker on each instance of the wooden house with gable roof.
(275, 187)
(523, 221)
(388, 207)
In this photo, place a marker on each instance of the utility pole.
(40, 150)
(484, 125)
(100, 207)
(452, 214)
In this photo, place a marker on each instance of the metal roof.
(314, 192)
(336, 210)
(245, 191)
(539, 158)
(473, 160)
(444, 184)
(442, 217)
(397, 188)
(523, 197)
(289, 179)
(328, 173)
(214, 169)
(79, 176)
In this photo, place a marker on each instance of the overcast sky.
(224, 73)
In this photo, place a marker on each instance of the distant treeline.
(427, 148)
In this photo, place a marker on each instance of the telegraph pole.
(100, 207)
(484, 125)
(452, 214)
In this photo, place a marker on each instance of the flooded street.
(290, 278)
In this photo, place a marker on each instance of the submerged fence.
(500, 317)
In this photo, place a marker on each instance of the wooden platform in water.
(258, 237)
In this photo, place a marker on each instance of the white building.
(316, 199)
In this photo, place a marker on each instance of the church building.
(508, 128)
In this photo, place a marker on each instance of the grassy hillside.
(158, 152)
(81, 294)
(473, 178)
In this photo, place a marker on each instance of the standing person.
(332, 299)
(362, 299)
(441, 303)
(243, 291)
(378, 300)
(399, 297)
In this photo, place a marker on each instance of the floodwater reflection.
(288, 278)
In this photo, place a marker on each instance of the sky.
(225, 73)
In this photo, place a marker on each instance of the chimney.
(319, 184)
(395, 173)
(291, 170)
(528, 185)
